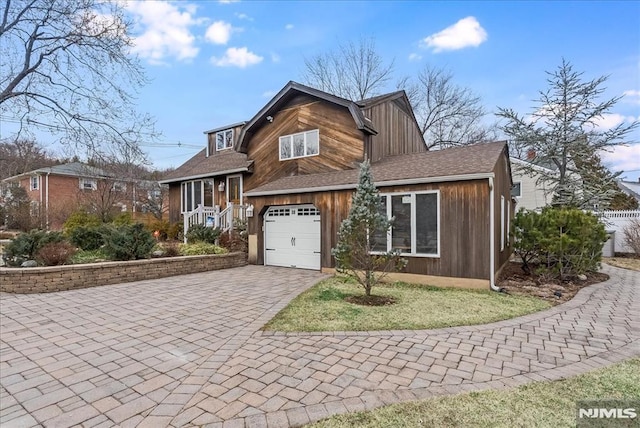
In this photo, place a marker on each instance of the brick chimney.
(531, 154)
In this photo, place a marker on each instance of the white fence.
(615, 222)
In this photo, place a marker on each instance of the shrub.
(234, 241)
(202, 233)
(565, 241)
(171, 249)
(26, 245)
(201, 249)
(89, 256)
(55, 253)
(129, 242)
(632, 235)
(88, 238)
(80, 219)
(123, 219)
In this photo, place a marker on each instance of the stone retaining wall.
(59, 278)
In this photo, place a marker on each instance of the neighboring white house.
(527, 192)
(631, 188)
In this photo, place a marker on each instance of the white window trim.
(304, 134)
(520, 195)
(224, 140)
(502, 221)
(37, 181)
(414, 235)
(508, 222)
(121, 184)
(93, 182)
(183, 186)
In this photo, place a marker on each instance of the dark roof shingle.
(200, 165)
(459, 161)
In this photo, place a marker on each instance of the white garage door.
(292, 236)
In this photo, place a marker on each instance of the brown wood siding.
(464, 226)
(174, 203)
(397, 132)
(341, 143)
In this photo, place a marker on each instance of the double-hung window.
(300, 145)
(35, 182)
(88, 184)
(224, 139)
(416, 224)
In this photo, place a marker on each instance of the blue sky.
(213, 63)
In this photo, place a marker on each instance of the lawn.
(323, 308)
(632, 263)
(540, 404)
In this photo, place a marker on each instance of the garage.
(292, 236)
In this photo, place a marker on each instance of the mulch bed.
(515, 281)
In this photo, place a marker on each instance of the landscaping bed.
(71, 277)
(515, 281)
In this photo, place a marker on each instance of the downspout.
(40, 184)
(492, 237)
(47, 200)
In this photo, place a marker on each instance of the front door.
(234, 189)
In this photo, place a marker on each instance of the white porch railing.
(213, 217)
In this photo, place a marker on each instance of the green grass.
(323, 308)
(540, 404)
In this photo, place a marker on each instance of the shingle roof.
(202, 166)
(75, 169)
(459, 161)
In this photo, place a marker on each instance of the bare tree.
(66, 68)
(354, 71)
(448, 114)
(563, 133)
(20, 156)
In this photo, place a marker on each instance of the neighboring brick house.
(57, 191)
(294, 168)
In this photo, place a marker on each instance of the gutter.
(210, 174)
(492, 237)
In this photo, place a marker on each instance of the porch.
(226, 219)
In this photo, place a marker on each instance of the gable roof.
(459, 163)
(284, 95)
(200, 166)
(74, 169)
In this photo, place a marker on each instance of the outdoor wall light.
(221, 186)
(249, 211)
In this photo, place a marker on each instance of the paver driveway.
(188, 351)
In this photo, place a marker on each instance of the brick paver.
(188, 351)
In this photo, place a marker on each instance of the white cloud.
(219, 33)
(631, 96)
(609, 120)
(165, 31)
(414, 57)
(237, 57)
(288, 27)
(269, 94)
(464, 33)
(623, 158)
(243, 16)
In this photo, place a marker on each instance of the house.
(527, 191)
(55, 192)
(294, 168)
(631, 188)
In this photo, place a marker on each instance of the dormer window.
(300, 145)
(224, 140)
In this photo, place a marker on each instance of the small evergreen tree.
(357, 237)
